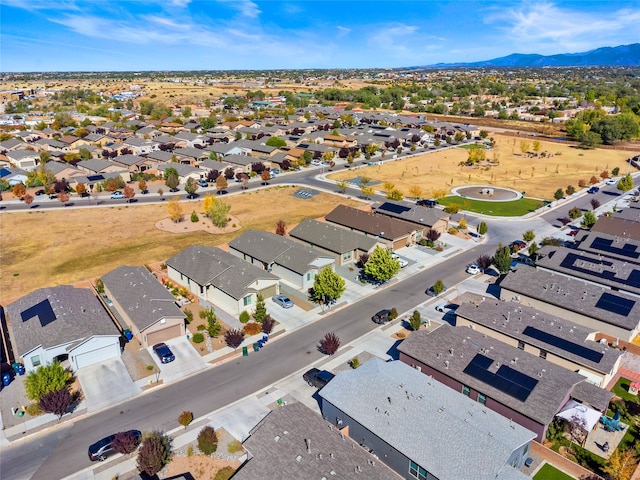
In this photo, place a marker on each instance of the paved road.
(64, 453)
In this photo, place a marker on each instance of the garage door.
(163, 335)
(95, 356)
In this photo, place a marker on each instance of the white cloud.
(247, 8)
(548, 28)
(179, 3)
(33, 5)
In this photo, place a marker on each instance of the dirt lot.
(64, 246)
(537, 176)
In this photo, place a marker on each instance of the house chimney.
(307, 441)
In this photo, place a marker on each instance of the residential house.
(184, 171)
(12, 144)
(192, 140)
(50, 145)
(423, 218)
(346, 246)
(617, 227)
(293, 442)
(593, 306)
(292, 261)
(420, 428)
(339, 141)
(26, 160)
(133, 163)
(218, 277)
(190, 156)
(13, 176)
(555, 339)
(522, 387)
(95, 166)
(140, 146)
(390, 232)
(71, 143)
(59, 324)
(148, 309)
(612, 246)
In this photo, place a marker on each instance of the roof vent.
(298, 458)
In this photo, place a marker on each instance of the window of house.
(482, 399)
(416, 471)
(543, 354)
(520, 344)
(35, 360)
(246, 301)
(465, 390)
(201, 289)
(309, 276)
(346, 256)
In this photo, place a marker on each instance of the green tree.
(219, 212)
(185, 418)
(306, 157)
(154, 453)
(213, 326)
(438, 287)
(381, 266)
(170, 171)
(559, 193)
(85, 154)
(533, 250)
(276, 142)
(186, 111)
(590, 139)
(342, 186)
(574, 213)
(482, 228)
(328, 286)
(172, 182)
(528, 236)
(261, 309)
(626, 183)
(415, 320)
(45, 379)
(207, 440)
(622, 464)
(502, 259)
(588, 219)
(191, 186)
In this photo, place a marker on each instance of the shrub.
(267, 324)
(234, 447)
(362, 260)
(57, 401)
(415, 320)
(452, 208)
(453, 231)
(225, 473)
(201, 327)
(185, 418)
(234, 338)
(615, 172)
(198, 338)
(125, 442)
(438, 287)
(244, 316)
(261, 309)
(593, 180)
(99, 286)
(355, 362)
(582, 183)
(329, 343)
(393, 314)
(207, 440)
(433, 235)
(189, 316)
(34, 410)
(483, 261)
(252, 328)
(154, 453)
(45, 379)
(194, 217)
(482, 228)
(595, 203)
(570, 190)
(574, 213)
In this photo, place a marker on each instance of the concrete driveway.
(187, 361)
(290, 318)
(106, 383)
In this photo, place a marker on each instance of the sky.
(143, 35)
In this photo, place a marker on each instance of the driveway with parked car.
(187, 360)
(283, 301)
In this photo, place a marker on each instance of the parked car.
(382, 317)
(426, 203)
(283, 301)
(473, 269)
(104, 447)
(516, 245)
(275, 170)
(432, 293)
(317, 378)
(164, 353)
(317, 163)
(446, 307)
(116, 195)
(593, 190)
(39, 192)
(610, 181)
(202, 182)
(403, 263)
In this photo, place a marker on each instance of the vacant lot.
(539, 177)
(42, 249)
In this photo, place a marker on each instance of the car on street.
(473, 269)
(317, 378)
(116, 195)
(104, 447)
(403, 263)
(432, 293)
(164, 353)
(202, 182)
(610, 181)
(317, 163)
(593, 190)
(516, 245)
(446, 307)
(39, 192)
(382, 317)
(283, 301)
(275, 170)
(426, 203)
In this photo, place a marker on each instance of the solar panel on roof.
(561, 343)
(606, 245)
(508, 380)
(393, 208)
(42, 310)
(615, 304)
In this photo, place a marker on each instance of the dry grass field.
(40, 249)
(538, 177)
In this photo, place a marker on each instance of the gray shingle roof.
(625, 249)
(451, 350)
(191, 152)
(450, 435)
(543, 330)
(143, 298)
(129, 159)
(271, 248)
(572, 294)
(278, 450)
(76, 314)
(376, 225)
(209, 265)
(331, 237)
(617, 226)
(411, 213)
(617, 274)
(160, 156)
(94, 165)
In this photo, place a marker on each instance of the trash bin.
(6, 379)
(127, 334)
(256, 347)
(18, 368)
(245, 352)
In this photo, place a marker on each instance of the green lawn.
(515, 208)
(472, 146)
(549, 472)
(621, 389)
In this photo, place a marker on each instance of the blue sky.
(100, 35)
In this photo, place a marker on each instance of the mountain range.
(623, 55)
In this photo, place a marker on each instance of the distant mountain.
(624, 55)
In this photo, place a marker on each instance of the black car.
(39, 192)
(426, 203)
(593, 190)
(432, 292)
(164, 353)
(104, 447)
(317, 378)
(383, 316)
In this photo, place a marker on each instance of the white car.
(446, 307)
(473, 269)
(610, 181)
(403, 263)
(316, 163)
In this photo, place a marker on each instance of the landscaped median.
(514, 208)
